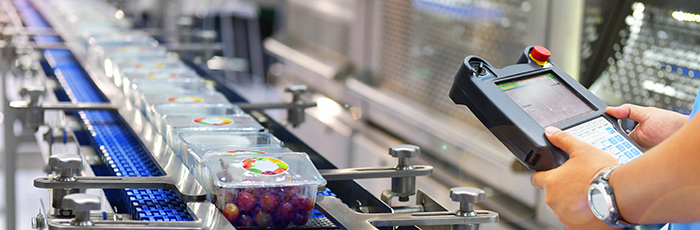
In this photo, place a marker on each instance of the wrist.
(602, 200)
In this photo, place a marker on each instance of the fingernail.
(549, 130)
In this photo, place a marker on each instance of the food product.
(271, 190)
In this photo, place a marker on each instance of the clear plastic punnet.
(167, 86)
(208, 123)
(129, 77)
(161, 111)
(120, 66)
(200, 142)
(149, 100)
(120, 38)
(145, 65)
(194, 159)
(102, 55)
(278, 189)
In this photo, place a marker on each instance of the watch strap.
(614, 218)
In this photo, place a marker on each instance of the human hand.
(566, 187)
(655, 125)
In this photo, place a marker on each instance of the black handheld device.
(517, 102)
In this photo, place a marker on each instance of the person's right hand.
(655, 125)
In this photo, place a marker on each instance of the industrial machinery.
(82, 83)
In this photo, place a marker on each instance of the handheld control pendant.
(517, 102)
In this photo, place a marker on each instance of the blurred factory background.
(380, 71)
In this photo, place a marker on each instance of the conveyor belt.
(111, 136)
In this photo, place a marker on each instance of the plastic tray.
(264, 191)
(149, 100)
(236, 122)
(161, 111)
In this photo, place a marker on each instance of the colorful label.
(264, 165)
(185, 99)
(213, 121)
(244, 151)
(161, 76)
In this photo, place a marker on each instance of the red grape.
(231, 212)
(268, 201)
(280, 222)
(307, 204)
(262, 218)
(245, 201)
(245, 220)
(285, 210)
(300, 218)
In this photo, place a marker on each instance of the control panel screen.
(545, 99)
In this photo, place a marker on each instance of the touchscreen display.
(545, 99)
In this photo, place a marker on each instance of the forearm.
(664, 184)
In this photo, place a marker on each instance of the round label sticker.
(161, 76)
(264, 165)
(245, 151)
(185, 99)
(214, 121)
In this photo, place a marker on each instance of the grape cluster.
(266, 207)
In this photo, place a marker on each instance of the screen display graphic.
(545, 99)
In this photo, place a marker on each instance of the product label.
(265, 165)
(161, 76)
(213, 121)
(185, 99)
(245, 151)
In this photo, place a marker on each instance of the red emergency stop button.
(540, 55)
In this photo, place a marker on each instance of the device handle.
(478, 66)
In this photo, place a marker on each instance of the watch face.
(600, 203)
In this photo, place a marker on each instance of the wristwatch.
(602, 200)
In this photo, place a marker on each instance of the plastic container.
(161, 111)
(129, 77)
(264, 191)
(166, 86)
(199, 142)
(144, 65)
(195, 158)
(149, 100)
(236, 122)
(102, 55)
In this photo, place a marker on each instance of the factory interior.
(306, 114)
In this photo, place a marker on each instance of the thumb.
(563, 140)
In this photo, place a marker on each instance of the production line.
(161, 166)
(328, 114)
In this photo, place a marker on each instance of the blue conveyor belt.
(112, 138)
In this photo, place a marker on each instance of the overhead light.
(685, 16)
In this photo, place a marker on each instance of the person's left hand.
(566, 187)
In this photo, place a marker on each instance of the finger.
(563, 140)
(634, 112)
(537, 179)
(618, 112)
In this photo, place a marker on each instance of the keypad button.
(620, 147)
(606, 143)
(627, 144)
(612, 141)
(610, 130)
(635, 152)
(629, 155)
(622, 158)
(619, 138)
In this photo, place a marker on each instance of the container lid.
(244, 170)
(240, 150)
(218, 140)
(178, 109)
(185, 98)
(239, 122)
